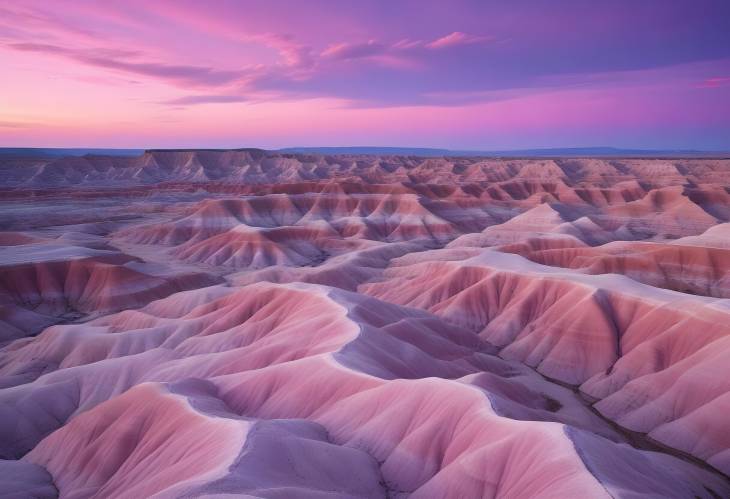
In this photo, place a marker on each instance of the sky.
(459, 74)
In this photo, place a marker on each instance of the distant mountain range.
(547, 152)
(394, 151)
(60, 152)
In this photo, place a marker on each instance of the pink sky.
(463, 75)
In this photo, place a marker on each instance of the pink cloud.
(402, 54)
(115, 59)
(15, 124)
(206, 99)
(456, 39)
(294, 54)
(407, 44)
(345, 51)
(11, 17)
(714, 83)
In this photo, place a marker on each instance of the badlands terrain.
(249, 323)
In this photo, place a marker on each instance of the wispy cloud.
(16, 16)
(404, 54)
(115, 59)
(293, 53)
(16, 124)
(346, 51)
(205, 99)
(715, 83)
(456, 39)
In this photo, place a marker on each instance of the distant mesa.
(61, 152)
(384, 151)
(540, 152)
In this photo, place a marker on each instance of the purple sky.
(458, 74)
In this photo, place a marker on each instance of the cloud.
(115, 59)
(206, 99)
(407, 44)
(456, 39)
(399, 51)
(15, 124)
(715, 83)
(40, 21)
(347, 51)
(55, 49)
(294, 54)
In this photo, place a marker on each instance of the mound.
(622, 342)
(690, 269)
(56, 282)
